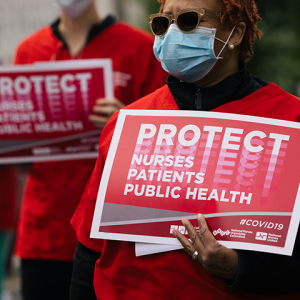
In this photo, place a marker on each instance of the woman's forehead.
(175, 6)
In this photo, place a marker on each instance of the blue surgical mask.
(73, 8)
(188, 56)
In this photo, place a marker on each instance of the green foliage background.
(277, 55)
(152, 6)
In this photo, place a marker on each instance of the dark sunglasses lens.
(187, 21)
(160, 25)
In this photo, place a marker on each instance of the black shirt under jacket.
(235, 87)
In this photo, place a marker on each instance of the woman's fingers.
(187, 245)
(203, 247)
(192, 244)
(98, 121)
(103, 110)
(194, 236)
(205, 235)
(104, 102)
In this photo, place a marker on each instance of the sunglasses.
(186, 20)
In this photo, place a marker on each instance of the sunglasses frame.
(200, 11)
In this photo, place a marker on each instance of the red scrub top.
(119, 274)
(53, 189)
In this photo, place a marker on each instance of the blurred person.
(191, 37)
(46, 241)
(8, 208)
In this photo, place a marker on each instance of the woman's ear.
(238, 34)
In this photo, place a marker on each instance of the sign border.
(289, 245)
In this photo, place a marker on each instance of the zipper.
(198, 100)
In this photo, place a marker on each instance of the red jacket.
(53, 189)
(173, 275)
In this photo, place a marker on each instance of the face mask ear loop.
(225, 42)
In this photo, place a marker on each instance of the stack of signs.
(164, 166)
(44, 109)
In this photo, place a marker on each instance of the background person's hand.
(215, 258)
(103, 110)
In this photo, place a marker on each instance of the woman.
(46, 242)
(190, 49)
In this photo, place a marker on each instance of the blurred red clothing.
(53, 189)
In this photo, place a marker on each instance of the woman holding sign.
(203, 45)
(46, 241)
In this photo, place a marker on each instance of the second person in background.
(46, 241)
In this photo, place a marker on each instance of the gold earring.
(231, 47)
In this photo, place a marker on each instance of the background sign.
(44, 109)
(241, 172)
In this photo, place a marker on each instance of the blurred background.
(276, 59)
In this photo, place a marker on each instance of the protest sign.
(44, 109)
(241, 172)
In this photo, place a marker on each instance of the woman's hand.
(215, 258)
(103, 110)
